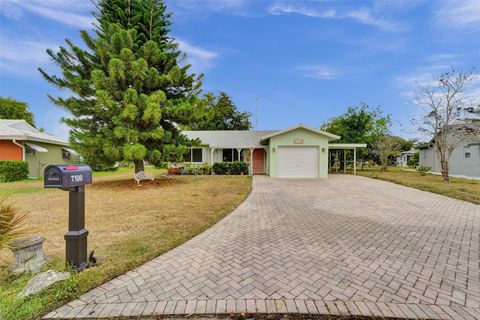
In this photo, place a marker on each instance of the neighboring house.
(297, 152)
(464, 161)
(21, 141)
(404, 157)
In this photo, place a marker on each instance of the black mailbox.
(67, 176)
(72, 178)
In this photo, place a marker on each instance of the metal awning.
(36, 147)
(75, 153)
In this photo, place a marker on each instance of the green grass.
(463, 189)
(128, 226)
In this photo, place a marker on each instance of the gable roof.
(331, 136)
(21, 130)
(229, 138)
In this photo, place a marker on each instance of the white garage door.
(298, 162)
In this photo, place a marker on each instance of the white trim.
(21, 146)
(300, 126)
(36, 147)
(346, 145)
(73, 152)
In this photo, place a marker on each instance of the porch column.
(211, 155)
(344, 161)
(251, 162)
(354, 161)
(239, 150)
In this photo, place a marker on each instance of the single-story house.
(21, 141)
(404, 157)
(464, 161)
(296, 152)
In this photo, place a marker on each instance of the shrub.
(10, 223)
(423, 170)
(230, 168)
(413, 161)
(11, 170)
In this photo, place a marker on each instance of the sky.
(286, 62)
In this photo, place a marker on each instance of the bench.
(142, 175)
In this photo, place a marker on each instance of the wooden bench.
(142, 175)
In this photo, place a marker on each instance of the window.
(467, 155)
(29, 151)
(197, 155)
(230, 155)
(193, 155)
(65, 154)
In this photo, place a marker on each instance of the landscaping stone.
(28, 254)
(42, 281)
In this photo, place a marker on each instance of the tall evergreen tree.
(129, 87)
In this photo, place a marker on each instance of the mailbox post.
(73, 178)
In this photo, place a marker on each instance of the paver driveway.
(346, 245)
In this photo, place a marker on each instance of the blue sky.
(287, 62)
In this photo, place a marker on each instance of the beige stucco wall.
(309, 139)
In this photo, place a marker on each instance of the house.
(404, 157)
(296, 152)
(21, 141)
(464, 161)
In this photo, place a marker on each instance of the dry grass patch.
(128, 224)
(463, 189)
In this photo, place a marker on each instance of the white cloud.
(318, 72)
(279, 9)
(200, 59)
(73, 13)
(463, 14)
(362, 15)
(23, 56)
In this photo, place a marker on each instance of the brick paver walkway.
(343, 246)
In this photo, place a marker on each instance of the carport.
(342, 155)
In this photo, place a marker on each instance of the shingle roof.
(21, 130)
(229, 139)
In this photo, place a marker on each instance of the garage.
(298, 162)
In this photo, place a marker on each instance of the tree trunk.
(445, 173)
(139, 166)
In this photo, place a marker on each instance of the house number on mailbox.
(77, 178)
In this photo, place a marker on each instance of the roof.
(229, 138)
(22, 131)
(331, 136)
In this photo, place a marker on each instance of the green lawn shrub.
(230, 168)
(12, 170)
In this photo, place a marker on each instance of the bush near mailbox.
(12, 170)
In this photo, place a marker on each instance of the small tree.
(13, 109)
(359, 125)
(447, 106)
(220, 113)
(383, 147)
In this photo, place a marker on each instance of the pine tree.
(129, 88)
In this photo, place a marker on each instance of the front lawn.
(463, 189)
(128, 226)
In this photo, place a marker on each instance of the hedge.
(230, 168)
(11, 170)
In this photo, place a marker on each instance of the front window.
(230, 155)
(193, 155)
(197, 155)
(467, 155)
